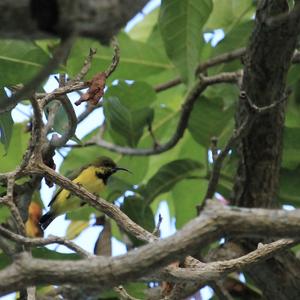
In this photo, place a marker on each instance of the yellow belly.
(65, 201)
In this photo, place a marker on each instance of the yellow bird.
(93, 177)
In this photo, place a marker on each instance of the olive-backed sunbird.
(92, 177)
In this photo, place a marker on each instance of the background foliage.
(168, 43)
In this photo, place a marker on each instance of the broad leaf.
(4, 213)
(134, 96)
(61, 121)
(181, 25)
(187, 194)
(45, 253)
(168, 176)
(291, 148)
(289, 188)
(5, 261)
(126, 126)
(75, 228)
(16, 149)
(227, 13)
(209, 119)
(81, 214)
(138, 59)
(138, 211)
(236, 38)
(142, 30)
(20, 61)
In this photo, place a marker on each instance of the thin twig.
(223, 58)
(88, 110)
(217, 60)
(218, 269)
(220, 291)
(157, 227)
(43, 241)
(115, 59)
(146, 260)
(72, 124)
(86, 65)
(9, 201)
(234, 139)
(164, 86)
(187, 107)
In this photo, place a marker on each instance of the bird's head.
(106, 167)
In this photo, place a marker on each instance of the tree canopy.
(199, 100)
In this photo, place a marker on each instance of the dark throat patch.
(103, 176)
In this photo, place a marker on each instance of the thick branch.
(215, 222)
(266, 64)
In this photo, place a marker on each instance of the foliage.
(138, 117)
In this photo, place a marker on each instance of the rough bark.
(214, 222)
(100, 19)
(266, 64)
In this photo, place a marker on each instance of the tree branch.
(215, 222)
(187, 107)
(43, 241)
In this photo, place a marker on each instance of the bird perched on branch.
(93, 177)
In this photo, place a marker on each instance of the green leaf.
(187, 194)
(61, 120)
(137, 165)
(16, 149)
(126, 126)
(227, 13)
(291, 148)
(289, 188)
(5, 261)
(138, 211)
(4, 213)
(168, 176)
(45, 253)
(236, 38)
(181, 25)
(209, 119)
(138, 59)
(142, 30)
(81, 214)
(134, 96)
(6, 128)
(75, 228)
(20, 61)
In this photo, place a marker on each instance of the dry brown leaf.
(95, 90)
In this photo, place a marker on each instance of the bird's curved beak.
(121, 169)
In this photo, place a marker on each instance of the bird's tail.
(46, 219)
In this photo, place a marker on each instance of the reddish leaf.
(95, 91)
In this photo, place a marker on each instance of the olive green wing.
(71, 176)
